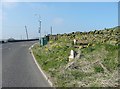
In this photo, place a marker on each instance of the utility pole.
(40, 28)
(26, 32)
(51, 30)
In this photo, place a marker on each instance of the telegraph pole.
(40, 28)
(26, 32)
(51, 30)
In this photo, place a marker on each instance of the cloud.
(58, 21)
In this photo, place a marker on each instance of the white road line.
(40, 67)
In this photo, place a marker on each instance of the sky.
(64, 17)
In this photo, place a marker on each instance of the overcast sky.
(64, 17)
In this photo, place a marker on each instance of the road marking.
(40, 67)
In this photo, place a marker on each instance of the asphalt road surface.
(18, 67)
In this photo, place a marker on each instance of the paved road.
(18, 67)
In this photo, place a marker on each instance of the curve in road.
(18, 67)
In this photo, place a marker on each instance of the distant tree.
(72, 32)
(105, 28)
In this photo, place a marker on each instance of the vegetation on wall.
(96, 66)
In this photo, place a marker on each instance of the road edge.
(40, 69)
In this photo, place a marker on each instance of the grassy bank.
(97, 65)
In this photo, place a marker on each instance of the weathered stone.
(75, 41)
(72, 55)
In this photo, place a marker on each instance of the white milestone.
(71, 54)
(74, 41)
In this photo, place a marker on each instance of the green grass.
(98, 69)
(110, 64)
(95, 86)
(110, 47)
(53, 58)
(78, 74)
(111, 60)
(88, 50)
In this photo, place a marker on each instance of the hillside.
(95, 63)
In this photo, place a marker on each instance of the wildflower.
(93, 44)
